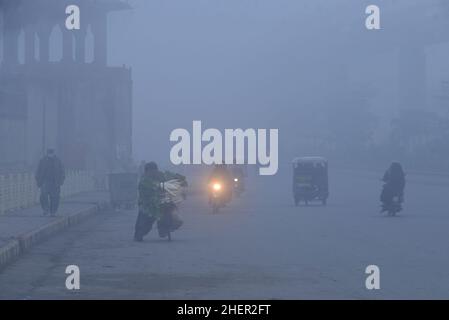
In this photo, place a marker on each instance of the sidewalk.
(21, 229)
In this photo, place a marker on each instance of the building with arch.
(52, 97)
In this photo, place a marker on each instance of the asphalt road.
(260, 247)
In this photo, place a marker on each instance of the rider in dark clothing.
(149, 200)
(237, 173)
(151, 206)
(394, 179)
(50, 177)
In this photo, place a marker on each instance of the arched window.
(36, 47)
(90, 44)
(21, 47)
(56, 44)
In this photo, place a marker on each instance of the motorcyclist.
(221, 173)
(239, 177)
(394, 179)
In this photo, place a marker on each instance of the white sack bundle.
(172, 191)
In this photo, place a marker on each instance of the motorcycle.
(217, 196)
(238, 186)
(169, 221)
(391, 203)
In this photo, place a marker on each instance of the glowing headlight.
(216, 186)
(236, 180)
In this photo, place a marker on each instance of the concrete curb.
(11, 251)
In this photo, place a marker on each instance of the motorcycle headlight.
(216, 187)
(236, 180)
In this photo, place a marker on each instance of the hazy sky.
(249, 63)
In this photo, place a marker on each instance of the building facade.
(81, 108)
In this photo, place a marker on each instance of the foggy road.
(260, 246)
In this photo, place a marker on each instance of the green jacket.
(150, 194)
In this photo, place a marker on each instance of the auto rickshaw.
(310, 180)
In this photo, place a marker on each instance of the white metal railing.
(19, 190)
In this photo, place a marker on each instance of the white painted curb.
(13, 249)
